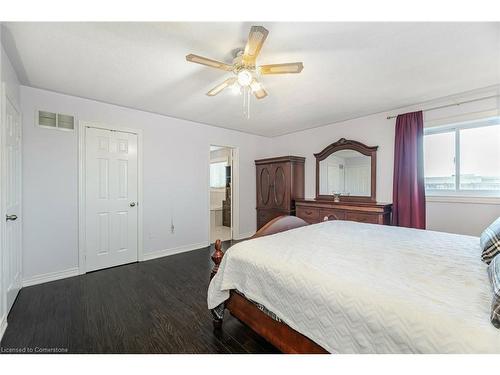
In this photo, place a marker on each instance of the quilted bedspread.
(365, 288)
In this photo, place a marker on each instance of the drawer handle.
(308, 212)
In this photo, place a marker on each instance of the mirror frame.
(347, 144)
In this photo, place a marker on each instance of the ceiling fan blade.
(221, 86)
(208, 62)
(286, 68)
(260, 94)
(256, 38)
(258, 90)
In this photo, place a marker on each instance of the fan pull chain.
(249, 90)
(246, 101)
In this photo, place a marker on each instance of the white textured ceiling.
(350, 69)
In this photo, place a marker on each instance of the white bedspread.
(364, 288)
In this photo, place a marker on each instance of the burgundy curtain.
(408, 185)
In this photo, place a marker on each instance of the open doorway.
(221, 193)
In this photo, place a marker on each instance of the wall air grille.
(48, 119)
(55, 121)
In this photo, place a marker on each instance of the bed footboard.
(217, 315)
(277, 225)
(276, 332)
(280, 224)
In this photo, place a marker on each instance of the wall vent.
(55, 120)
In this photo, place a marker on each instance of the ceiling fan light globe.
(244, 78)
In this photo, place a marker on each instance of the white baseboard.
(175, 250)
(51, 276)
(3, 325)
(242, 236)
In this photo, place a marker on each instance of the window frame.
(456, 128)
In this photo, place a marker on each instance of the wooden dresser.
(316, 210)
(280, 181)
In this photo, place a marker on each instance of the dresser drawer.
(362, 217)
(331, 214)
(311, 215)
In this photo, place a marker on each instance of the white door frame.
(4, 97)
(82, 266)
(3, 249)
(3, 291)
(235, 191)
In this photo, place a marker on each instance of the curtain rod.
(451, 105)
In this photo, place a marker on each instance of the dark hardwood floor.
(158, 306)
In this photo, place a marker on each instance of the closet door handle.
(10, 217)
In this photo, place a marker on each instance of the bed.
(347, 287)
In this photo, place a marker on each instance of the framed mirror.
(346, 171)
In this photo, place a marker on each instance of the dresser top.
(341, 205)
(281, 159)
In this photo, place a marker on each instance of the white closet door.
(111, 198)
(11, 187)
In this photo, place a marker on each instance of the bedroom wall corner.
(376, 130)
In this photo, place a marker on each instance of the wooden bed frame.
(277, 333)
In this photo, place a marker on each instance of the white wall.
(462, 218)
(7, 76)
(376, 130)
(176, 159)
(372, 130)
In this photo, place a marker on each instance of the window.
(218, 175)
(463, 159)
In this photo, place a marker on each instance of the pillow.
(490, 241)
(494, 273)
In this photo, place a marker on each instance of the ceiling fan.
(244, 66)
